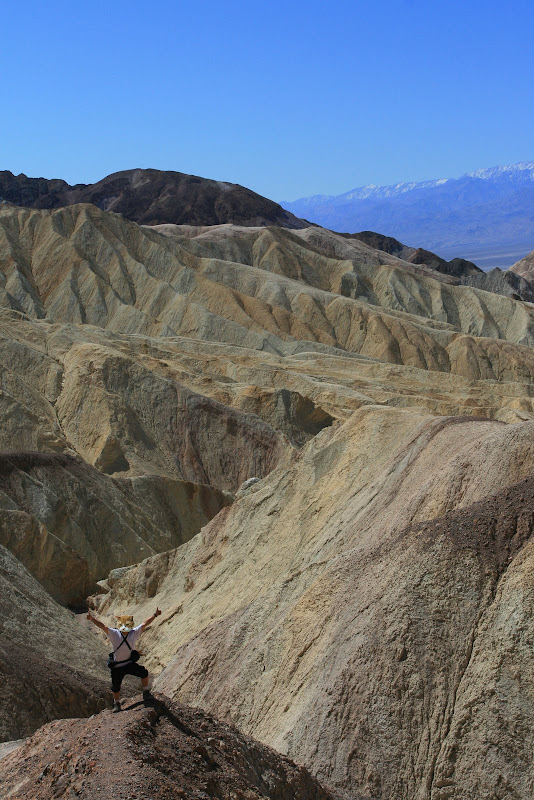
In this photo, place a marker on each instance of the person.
(123, 640)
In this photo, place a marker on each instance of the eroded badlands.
(365, 607)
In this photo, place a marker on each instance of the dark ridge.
(458, 267)
(153, 197)
(379, 242)
(23, 191)
(497, 281)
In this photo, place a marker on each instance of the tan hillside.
(371, 597)
(277, 293)
(524, 267)
(146, 410)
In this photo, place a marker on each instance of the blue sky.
(287, 98)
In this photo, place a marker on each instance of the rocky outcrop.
(162, 752)
(151, 197)
(457, 268)
(37, 690)
(288, 411)
(379, 241)
(150, 422)
(50, 665)
(513, 283)
(23, 191)
(389, 581)
(506, 282)
(69, 524)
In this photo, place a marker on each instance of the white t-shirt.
(122, 653)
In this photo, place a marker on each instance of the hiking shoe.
(147, 695)
(116, 708)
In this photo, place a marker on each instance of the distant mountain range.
(482, 210)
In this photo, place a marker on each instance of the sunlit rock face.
(370, 595)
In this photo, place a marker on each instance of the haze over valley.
(484, 216)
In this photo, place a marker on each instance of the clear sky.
(288, 98)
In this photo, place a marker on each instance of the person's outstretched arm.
(97, 622)
(150, 620)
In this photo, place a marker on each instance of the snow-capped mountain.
(396, 189)
(523, 171)
(486, 208)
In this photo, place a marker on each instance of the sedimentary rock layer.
(69, 524)
(266, 289)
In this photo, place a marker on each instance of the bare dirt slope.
(367, 610)
(281, 334)
(163, 752)
(268, 290)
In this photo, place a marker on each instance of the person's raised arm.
(150, 620)
(97, 622)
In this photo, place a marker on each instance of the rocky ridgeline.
(152, 196)
(525, 267)
(517, 282)
(163, 752)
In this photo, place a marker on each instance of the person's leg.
(142, 673)
(117, 674)
(147, 695)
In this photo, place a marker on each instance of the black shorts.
(118, 673)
